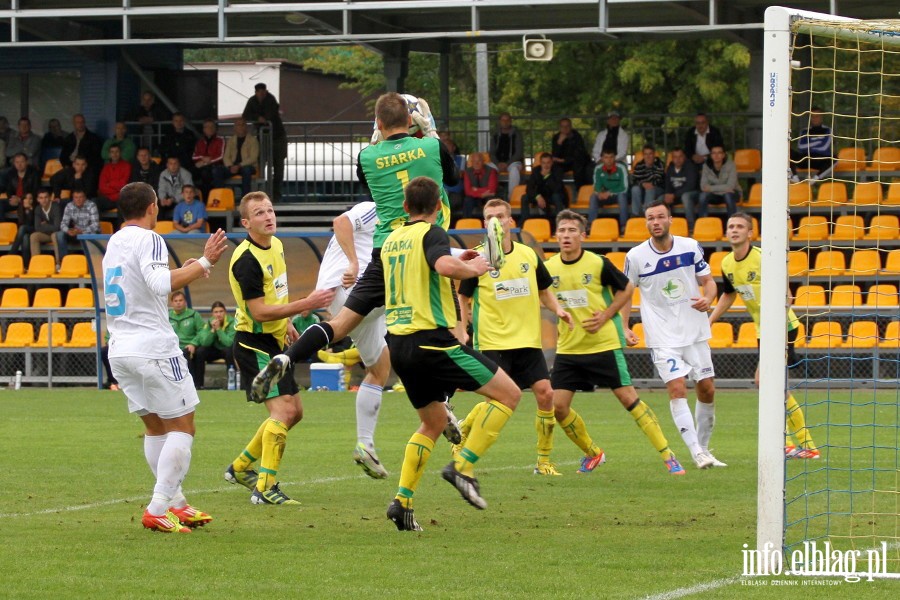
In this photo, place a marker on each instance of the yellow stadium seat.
(635, 230)
(18, 335)
(862, 334)
(829, 263)
(832, 192)
(864, 262)
(538, 228)
(798, 263)
(722, 335)
(80, 298)
(846, 296)
(8, 233)
(106, 228)
(801, 336)
(893, 195)
(811, 228)
(679, 226)
(470, 223)
(746, 337)
(11, 266)
(57, 332)
(826, 334)
(14, 298)
(41, 266)
(869, 192)
(51, 168)
(849, 227)
(708, 229)
(73, 266)
(892, 264)
(220, 199)
(891, 337)
(809, 295)
(850, 160)
(83, 336)
(617, 259)
(883, 227)
(715, 262)
(164, 227)
(47, 298)
(754, 198)
(583, 198)
(882, 295)
(517, 196)
(636, 298)
(604, 230)
(799, 194)
(638, 329)
(886, 158)
(748, 160)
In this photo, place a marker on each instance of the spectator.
(569, 152)
(814, 146)
(171, 182)
(114, 176)
(648, 179)
(53, 140)
(508, 150)
(179, 143)
(80, 216)
(216, 340)
(25, 142)
(25, 220)
(544, 190)
(449, 142)
(190, 214)
(47, 219)
(480, 184)
(701, 138)
(262, 108)
(614, 138)
(80, 176)
(188, 325)
(682, 185)
(148, 113)
(22, 181)
(127, 149)
(718, 183)
(5, 132)
(82, 142)
(241, 155)
(610, 187)
(207, 158)
(454, 192)
(145, 169)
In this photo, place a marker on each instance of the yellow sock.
(273, 440)
(646, 419)
(418, 449)
(796, 424)
(574, 427)
(543, 424)
(484, 433)
(251, 453)
(465, 426)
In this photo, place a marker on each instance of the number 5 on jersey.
(113, 292)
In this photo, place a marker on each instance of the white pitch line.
(694, 589)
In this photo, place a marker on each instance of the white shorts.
(156, 386)
(368, 335)
(694, 361)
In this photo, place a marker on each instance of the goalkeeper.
(742, 274)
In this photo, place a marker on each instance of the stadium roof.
(425, 25)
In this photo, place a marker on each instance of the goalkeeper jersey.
(744, 277)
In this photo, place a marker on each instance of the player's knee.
(677, 389)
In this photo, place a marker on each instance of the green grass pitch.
(75, 484)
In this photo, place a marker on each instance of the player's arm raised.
(193, 268)
(343, 233)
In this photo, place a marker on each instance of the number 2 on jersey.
(113, 292)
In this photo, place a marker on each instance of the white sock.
(368, 403)
(173, 465)
(153, 445)
(681, 414)
(706, 420)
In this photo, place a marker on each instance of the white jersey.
(667, 282)
(334, 263)
(136, 284)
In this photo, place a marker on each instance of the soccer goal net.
(831, 169)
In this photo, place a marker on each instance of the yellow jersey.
(257, 272)
(744, 277)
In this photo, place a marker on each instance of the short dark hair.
(80, 157)
(134, 200)
(571, 215)
(391, 109)
(422, 196)
(649, 147)
(177, 114)
(216, 304)
(26, 119)
(259, 86)
(177, 293)
(656, 203)
(744, 216)
(676, 149)
(141, 148)
(18, 154)
(45, 190)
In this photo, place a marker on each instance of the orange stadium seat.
(80, 298)
(892, 263)
(636, 298)
(801, 336)
(8, 233)
(83, 336)
(57, 332)
(799, 194)
(220, 199)
(832, 192)
(829, 263)
(850, 159)
(638, 329)
(849, 227)
(715, 262)
(51, 168)
(106, 228)
(47, 298)
(635, 230)
(617, 259)
(73, 266)
(862, 334)
(679, 226)
(722, 335)
(885, 158)
(754, 198)
(539, 229)
(748, 160)
(746, 337)
(798, 263)
(164, 227)
(891, 337)
(14, 298)
(826, 334)
(868, 192)
(708, 229)
(11, 266)
(517, 195)
(18, 335)
(604, 230)
(40, 266)
(809, 295)
(883, 227)
(864, 262)
(469, 223)
(882, 295)
(583, 198)
(846, 296)
(893, 195)
(811, 228)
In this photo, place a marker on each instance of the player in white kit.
(677, 290)
(144, 353)
(347, 255)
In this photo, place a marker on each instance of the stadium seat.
(636, 298)
(8, 233)
(18, 335)
(811, 228)
(748, 160)
(893, 194)
(801, 337)
(891, 337)
(846, 296)
(799, 194)
(829, 263)
(517, 195)
(746, 337)
(57, 332)
(883, 227)
(635, 230)
(885, 158)
(882, 295)
(722, 335)
(83, 336)
(754, 198)
(470, 223)
(869, 192)
(47, 298)
(864, 262)
(862, 334)
(679, 226)
(51, 168)
(604, 230)
(583, 198)
(549, 255)
(539, 229)
(715, 262)
(80, 298)
(708, 229)
(850, 160)
(892, 263)
(809, 295)
(826, 334)
(106, 228)
(72, 266)
(220, 199)
(11, 266)
(618, 259)
(798, 263)
(849, 227)
(638, 329)
(164, 227)
(832, 192)
(14, 298)
(41, 266)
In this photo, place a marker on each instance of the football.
(412, 104)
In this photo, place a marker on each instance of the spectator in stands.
(262, 108)
(610, 187)
(5, 132)
(207, 158)
(82, 142)
(22, 181)
(570, 153)
(216, 340)
(480, 184)
(145, 169)
(53, 140)
(718, 183)
(47, 220)
(814, 146)
(187, 324)
(449, 142)
(179, 143)
(113, 177)
(127, 149)
(171, 182)
(614, 137)
(682, 185)
(25, 142)
(80, 176)
(648, 179)
(148, 113)
(454, 192)
(508, 150)
(241, 155)
(190, 213)
(80, 216)
(544, 190)
(25, 220)
(701, 138)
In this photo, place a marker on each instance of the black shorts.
(524, 365)
(368, 293)
(252, 352)
(792, 359)
(432, 363)
(574, 372)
